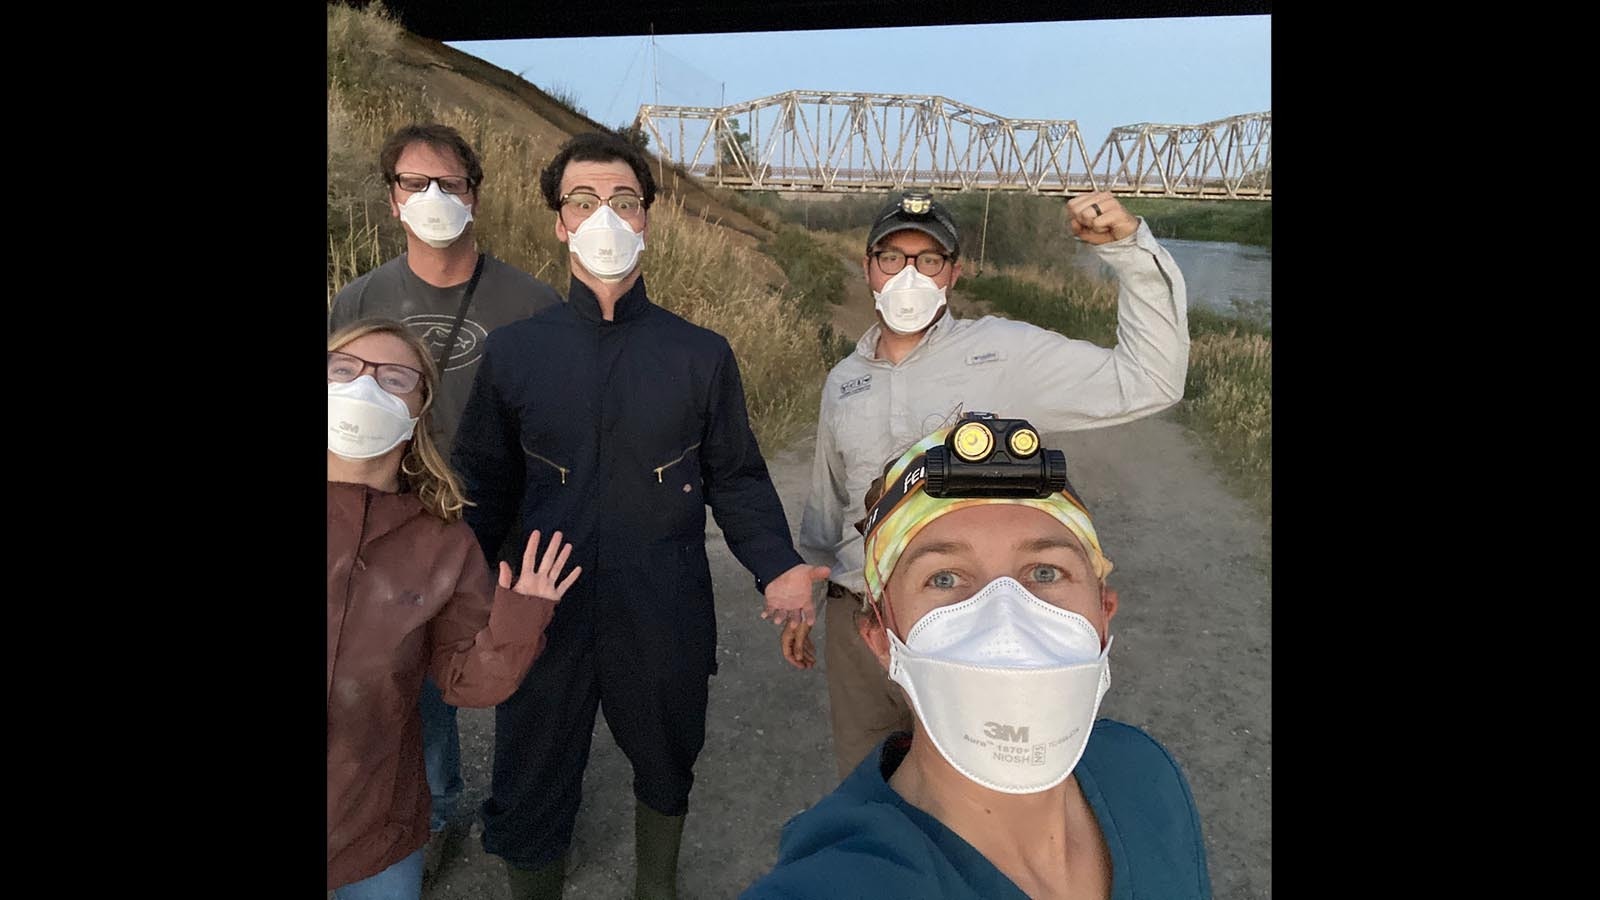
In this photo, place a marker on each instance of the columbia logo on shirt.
(855, 386)
(978, 359)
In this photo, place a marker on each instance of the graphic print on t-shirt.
(435, 330)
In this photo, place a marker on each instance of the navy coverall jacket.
(619, 434)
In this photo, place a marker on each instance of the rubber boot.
(543, 883)
(656, 839)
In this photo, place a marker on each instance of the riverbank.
(1017, 222)
(1231, 221)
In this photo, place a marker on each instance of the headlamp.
(985, 456)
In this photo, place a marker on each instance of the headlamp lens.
(973, 441)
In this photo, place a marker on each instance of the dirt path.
(1191, 665)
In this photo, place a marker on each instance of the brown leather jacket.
(407, 594)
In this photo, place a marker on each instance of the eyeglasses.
(890, 262)
(392, 377)
(583, 204)
(450, 184)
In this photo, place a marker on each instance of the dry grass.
(848, 244)
(1228, 398)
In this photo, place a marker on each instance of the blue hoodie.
(865, 841)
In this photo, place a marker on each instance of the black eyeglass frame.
(944, 260)
(431, 180)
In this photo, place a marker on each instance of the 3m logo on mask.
(351, 427)
(1011, 734)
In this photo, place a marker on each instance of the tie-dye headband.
(905, 509)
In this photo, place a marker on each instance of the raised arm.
(1073, 384)
(482, 647)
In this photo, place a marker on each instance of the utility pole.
(983, 242)
(655, 67)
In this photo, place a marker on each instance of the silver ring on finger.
(1096, 208)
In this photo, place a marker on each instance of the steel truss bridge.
(858, 142)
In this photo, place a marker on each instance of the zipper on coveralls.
(562, 469)
(660, 469)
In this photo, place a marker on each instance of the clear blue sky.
(1101, 73)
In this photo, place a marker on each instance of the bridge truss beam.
(863, 142)
(1227, 159)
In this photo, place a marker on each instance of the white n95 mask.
(605, 245)
(364, 420)
(909, 300)
(435, 217)
(1006, 685)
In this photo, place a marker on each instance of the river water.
(1217, 274)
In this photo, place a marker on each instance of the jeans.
(441, 754)
(401, 881)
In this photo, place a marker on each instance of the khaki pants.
(865, 705)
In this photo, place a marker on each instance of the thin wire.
(624, 80)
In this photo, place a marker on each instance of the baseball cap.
(916, 211)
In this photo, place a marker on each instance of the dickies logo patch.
(855, 386)
(978, 359)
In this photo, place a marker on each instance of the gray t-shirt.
(505, 294)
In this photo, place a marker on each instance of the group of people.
(517, 487)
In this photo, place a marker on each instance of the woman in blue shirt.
(993, 614)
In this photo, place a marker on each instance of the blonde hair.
(424, 470)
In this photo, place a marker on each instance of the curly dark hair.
(442, 138)
(596, 146)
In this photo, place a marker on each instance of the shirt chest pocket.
(981, 387)
(980, 370)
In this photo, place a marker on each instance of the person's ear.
(876, 637)
(1108, 603)
(561, 229)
